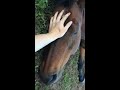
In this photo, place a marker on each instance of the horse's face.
(62, 48)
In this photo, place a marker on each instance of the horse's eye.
(75, 32)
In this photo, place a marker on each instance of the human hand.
(56, 27)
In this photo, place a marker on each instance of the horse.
(61, 49)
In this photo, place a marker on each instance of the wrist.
(53, 36)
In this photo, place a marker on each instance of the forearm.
(42, 40)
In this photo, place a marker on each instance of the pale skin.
(56, 30)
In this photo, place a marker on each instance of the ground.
(69, 79)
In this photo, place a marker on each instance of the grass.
(70, 76)
(69, 80)
(40, 20)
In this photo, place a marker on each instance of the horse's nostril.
(48, 79)
(51, 78)
(54, 77)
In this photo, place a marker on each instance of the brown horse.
(61, 49)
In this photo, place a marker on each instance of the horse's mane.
(65, 3)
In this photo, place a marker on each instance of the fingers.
(65, 17)
(60, 15)
(55, 16)
(68, 25)
(51, 20)
(56, 19)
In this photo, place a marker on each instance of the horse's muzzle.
(48, 79)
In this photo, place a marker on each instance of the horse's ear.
(81, 3)
(78, 2)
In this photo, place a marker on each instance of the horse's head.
(61, 49)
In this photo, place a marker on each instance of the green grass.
(40, 19)
(70, 76)
(69, 80)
